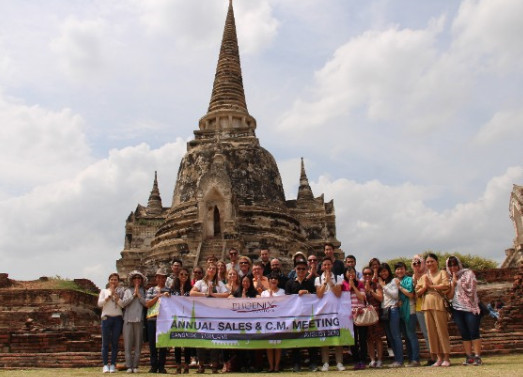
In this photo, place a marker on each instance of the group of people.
(404, 301)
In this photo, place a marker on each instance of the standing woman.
(209, 287)
(328, 282)
(182, 287)
(434, 285)
(134, 303)
(408, 313)
(419, 269)
(247, 358)
(374, 295)
(389, 305)
(273, 355)
(465, 309)
(374, 265)
(152, 301)
(357, 296)
(112, 321)
(222, 271)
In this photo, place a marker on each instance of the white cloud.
(256, 26)
(81, 49)
(489, 30)
(503, 125)
(39, 145)
(77, 224)
(377, 220)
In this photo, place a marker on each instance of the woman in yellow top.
(433, 286)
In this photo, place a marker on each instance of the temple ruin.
(228, 192)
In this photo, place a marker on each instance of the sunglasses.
(184, 274)
(198, 272)
(416, 263)
(367, 274)
(244, 262)
(301, 269)
(313, 260)
(233, 253)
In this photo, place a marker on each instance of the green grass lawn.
(494, 366)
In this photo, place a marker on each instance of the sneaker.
(135, 370)
(112, 369)
(193, 362)
(379, 364)
(437, 363)
(469, 360)
(153, 370)
(130, 370)
(477, 361)
(445, 364)
(413, 364)
(359, 366)
(396, 365)
(340, 367)
(372, 364)
(325, 367)
(296, 368)
(391, 352)
(162, 371)
(313, 368)
(105, 369)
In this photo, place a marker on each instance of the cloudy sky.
(408, 114)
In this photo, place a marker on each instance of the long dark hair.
(346, 278)
(251, 292)
(385, 266)
(186, 286)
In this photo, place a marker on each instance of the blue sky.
(408, 115)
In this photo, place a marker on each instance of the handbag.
(366, 316)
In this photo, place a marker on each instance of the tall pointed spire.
(227, 116)
(304, 191)
(154, 205)
(227, 91)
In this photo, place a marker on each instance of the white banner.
(275, 322)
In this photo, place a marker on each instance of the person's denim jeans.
(468, 324)
(392, 328)
(111, 331)
(411, 339)
(157, 355)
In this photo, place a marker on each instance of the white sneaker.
(379, 364)
(391, 352)
(112, 369)
(135, 370)
(105, 369)
(372, 364)
(340, 367)
(325, 367)
(130, 370)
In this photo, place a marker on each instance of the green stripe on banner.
(260, 323)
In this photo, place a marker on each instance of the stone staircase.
(211, 246)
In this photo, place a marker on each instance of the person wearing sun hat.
(134, 303)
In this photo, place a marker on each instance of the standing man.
(176, 266)
(301, 285)
(338, 268)
(312, 267)
(265, 255)
(350, 261)
(233, 256)
(276, 267)
(259, 281)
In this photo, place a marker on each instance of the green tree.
(473, 262)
